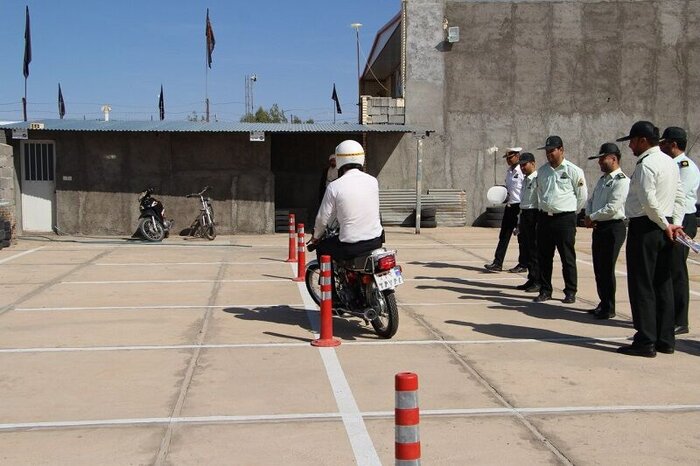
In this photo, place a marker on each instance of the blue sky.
(119, 53)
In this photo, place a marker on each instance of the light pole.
(356, 27)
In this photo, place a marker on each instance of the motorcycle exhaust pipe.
(370, 314)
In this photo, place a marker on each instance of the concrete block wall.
(383, 110)
(7, 193)
(522, 70)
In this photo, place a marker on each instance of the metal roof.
(215, 127)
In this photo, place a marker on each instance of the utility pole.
(356, 27)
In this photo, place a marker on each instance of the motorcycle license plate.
(388, 279)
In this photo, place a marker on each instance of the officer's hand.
(516, 231)
(588, 222)
(672, 231)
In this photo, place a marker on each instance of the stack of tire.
(427, 218)
(491, 218)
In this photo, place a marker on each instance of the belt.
(610, 222)
(645, 219)
(559, 214)
(514, 204)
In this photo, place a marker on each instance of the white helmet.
(348, 152)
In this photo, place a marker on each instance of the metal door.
(38, 185)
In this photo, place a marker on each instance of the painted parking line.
(163, 264)
(148, 308)
(504, 341)
(261, 418)
(24, 253)
(360, 441)
(133, 282)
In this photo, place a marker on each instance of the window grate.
(38, 161)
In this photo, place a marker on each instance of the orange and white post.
(407, 418)
(292, 239)
(326, 306)
(301, 254)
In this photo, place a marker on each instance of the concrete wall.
(7, 192)
(522, 70)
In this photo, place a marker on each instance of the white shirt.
(561, 189)
(655, 189)
(353, 200)
(514, 183)
(529, 192)
(608, 199)
(690, 179)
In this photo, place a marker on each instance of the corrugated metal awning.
(197, 127)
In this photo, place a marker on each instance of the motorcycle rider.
(353, 201)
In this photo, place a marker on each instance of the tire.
(387, 323)
(311, 278)
(500, 209)
(151, 230)
(210, 232)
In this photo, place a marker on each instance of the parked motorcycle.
(364, 288)
(153, 225)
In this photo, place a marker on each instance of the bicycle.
(203, 225)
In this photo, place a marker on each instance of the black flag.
(211, 42)
(27, 46)
(61, 103)
(161, 104)
(337, 102)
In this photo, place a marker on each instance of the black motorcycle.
(153, 225)
(364, 288)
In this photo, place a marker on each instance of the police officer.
(673, 143)
(514, 182)
(605, 214)
(654, 205)
(527, 222)
(562, 192)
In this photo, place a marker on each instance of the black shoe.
(533, 289)
(604, 315)
(681, 329)
(595, 310)
(518, 269)
(542, 297)
(493, 267)
(569, 299)
(663, 348)
(647, 351)
(524, 286)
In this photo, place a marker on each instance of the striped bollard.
(326, 306)
(292, 240)
(301, 254)
(407, 418)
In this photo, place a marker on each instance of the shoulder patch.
(683, 164)
(620, 176)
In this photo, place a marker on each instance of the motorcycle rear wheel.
(387, 322)
(311, 278)
(151, 229)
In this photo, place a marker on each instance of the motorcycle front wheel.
(387, 322)
(151, 229)
(312, 279)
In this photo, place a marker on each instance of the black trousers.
(339, 250)
(607, 241)
(649, 282)
(557, 231)
(679, 272)
(528, 238)
(508, 224)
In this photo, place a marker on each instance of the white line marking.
(8, 259)
(360, 441)
(333, 416)
(297, 345)
(140, 308)
(456, 280)
(132, 282)
(159, 264)
(623, 274)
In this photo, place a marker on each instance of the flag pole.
(334, 112)
(24, 100)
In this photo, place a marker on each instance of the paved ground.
(196, 352)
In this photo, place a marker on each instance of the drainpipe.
(403, 47)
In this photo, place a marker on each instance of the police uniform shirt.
(528, 199)
(655, 189)
(561, 189)
(609, 195)
(690, 179)
(514, 183)
(353, 200)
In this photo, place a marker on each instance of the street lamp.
(356, 27)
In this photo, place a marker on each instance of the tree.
(296, 120)
(274, 115)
